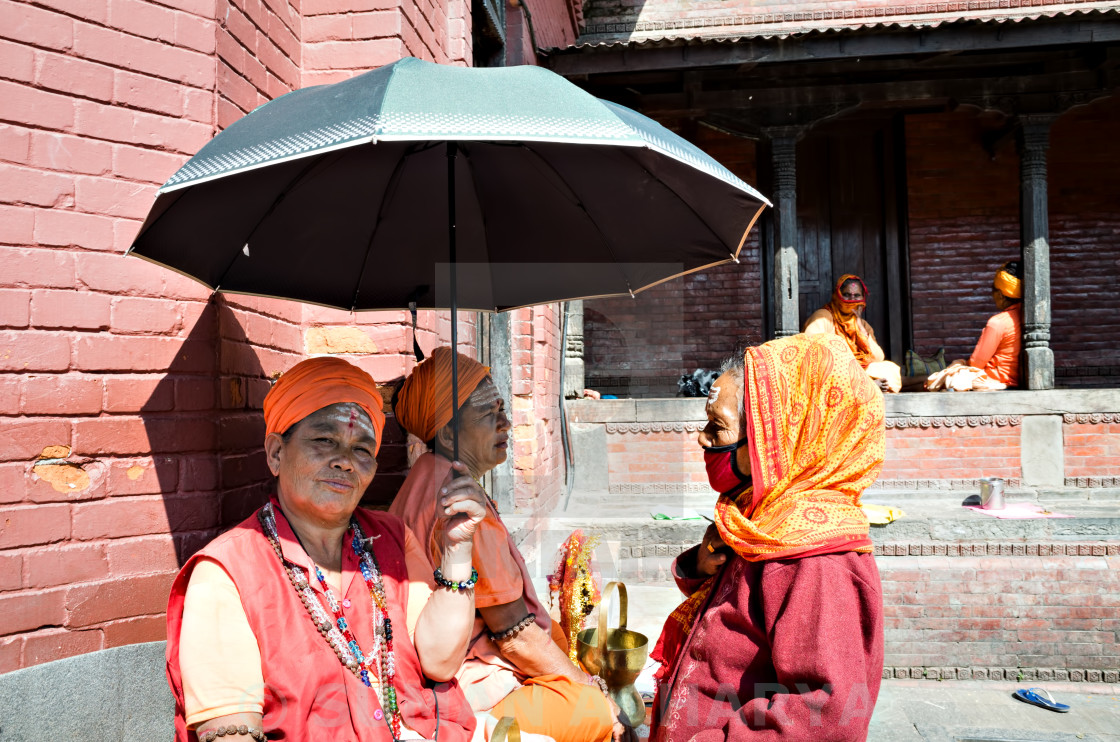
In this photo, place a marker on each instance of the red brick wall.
(1001, 612)
(1085, 243)
(130, 430)
(555, 22)
(639, 347)
(638, 460)
(537, 452)
(952, 453)
(962, 227)
(259, 54)
(964, 222)
(1092, 449)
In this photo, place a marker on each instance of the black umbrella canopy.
(338, 195)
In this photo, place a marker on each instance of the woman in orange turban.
(284, 625)
(517, 662)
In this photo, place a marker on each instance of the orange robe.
(550, 705)
(997, 352)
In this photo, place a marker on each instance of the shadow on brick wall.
(205, 428)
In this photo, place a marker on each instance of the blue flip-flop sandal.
(1040, 697)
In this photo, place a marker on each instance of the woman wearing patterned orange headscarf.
(843, 316)
(784, 600)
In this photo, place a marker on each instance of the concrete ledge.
(1047, 402)
(929, 404)
(115, 694)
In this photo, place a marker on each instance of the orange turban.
(1007, 284)
(316, 383)
(423, 404)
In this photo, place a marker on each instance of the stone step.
(639, 549)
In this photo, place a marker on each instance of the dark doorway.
(850, 215)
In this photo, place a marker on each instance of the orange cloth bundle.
(423, 404)
(316, 383)
(846, 319)
(817, 439)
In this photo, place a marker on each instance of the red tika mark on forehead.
(353, 417)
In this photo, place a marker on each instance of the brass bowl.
(619, 659)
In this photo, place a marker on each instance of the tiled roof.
(678, 20)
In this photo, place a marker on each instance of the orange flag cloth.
(423, 404)
(815, 424)
(316, 383)
(846, 320)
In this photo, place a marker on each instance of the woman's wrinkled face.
(483, 430)
(725, 420)
(324, 463)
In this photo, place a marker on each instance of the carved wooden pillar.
(1037, 359)
(783, 141)
(574, 382)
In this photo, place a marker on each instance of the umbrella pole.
(452, 152)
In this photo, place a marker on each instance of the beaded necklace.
(337, 633)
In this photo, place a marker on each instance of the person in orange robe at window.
(517, 664)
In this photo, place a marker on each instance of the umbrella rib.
(275, 203)
(390, 188)
(579, 204)
(482, 216)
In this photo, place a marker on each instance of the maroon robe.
(785, 650)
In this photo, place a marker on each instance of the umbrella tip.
(735, 258)
(246, 249)
(631, 291)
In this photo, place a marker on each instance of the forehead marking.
(713, 395)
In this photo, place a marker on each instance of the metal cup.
(991, 493)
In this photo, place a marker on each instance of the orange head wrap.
(815, 422)
(423, 404)
(846, 320)
(311, 385)
(1007, 284)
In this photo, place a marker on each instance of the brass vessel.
(618, 659)
(506, 730)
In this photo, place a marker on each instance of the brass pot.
(619, 658)
(506, 730)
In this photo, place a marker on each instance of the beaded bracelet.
(602, 685)
(233, 731)
(514, 630)
(456, 586)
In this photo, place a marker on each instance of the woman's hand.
(712, 554)
(462, 506)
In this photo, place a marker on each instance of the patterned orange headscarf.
(815, 424)
(846, 320)
(316, 383)
(423, 404)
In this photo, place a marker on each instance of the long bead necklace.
(337, 633)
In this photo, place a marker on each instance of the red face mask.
(723, 470)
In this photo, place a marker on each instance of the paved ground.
(983, 711)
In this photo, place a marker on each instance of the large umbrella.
(431, 186)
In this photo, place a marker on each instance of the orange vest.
(309, 694)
